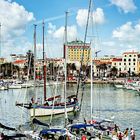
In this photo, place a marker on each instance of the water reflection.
(124, 105)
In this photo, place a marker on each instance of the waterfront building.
(138, 69)
(76, 50)
(117, 63)
(55, 66)
(20, 63)
(127, 64)
(130, 62)
(101, 67)
(15, 57)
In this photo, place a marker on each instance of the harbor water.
(121, 105)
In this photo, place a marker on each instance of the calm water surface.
(108, 102)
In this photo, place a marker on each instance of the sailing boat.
(54, 133)
(94, 128)
(39, 110)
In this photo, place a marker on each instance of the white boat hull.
(2, 88)
(49, 110)
(119, 86)
(14, 86)
(26, 85)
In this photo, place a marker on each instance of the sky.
(114, 27)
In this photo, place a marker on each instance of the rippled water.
(122, 105)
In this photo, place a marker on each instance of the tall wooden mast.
(44, 64)
(65, 87)
(34, 55)
(34, 65)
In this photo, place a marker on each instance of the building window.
(115, 64)
(134, 55)
(124, 63)
(129, 63)
(125, 55)
(119, 69)
(124, 59)
(134, 68)
(129, 59)
(133, 63)
(129, 55)
(134, 59)
(119, 63)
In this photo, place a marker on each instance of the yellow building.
(76, 50)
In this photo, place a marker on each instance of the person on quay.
(126, 134)
(2, 136)
(132, 134)
(120, 136)
(116, 128)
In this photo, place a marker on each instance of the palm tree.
(29, 64)
(114, 71)
(103, 67)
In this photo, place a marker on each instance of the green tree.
(114, 71)
(103, 67)
(9, 69)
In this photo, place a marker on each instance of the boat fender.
(92, 121)
(83, 137)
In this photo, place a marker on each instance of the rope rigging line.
(83, 50)
(29, 65)
(80, 76)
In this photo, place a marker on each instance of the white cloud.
(128, 33)
(59, 33)
(14, 18)
(109, 43)
(98, 16)
(20, 46)
(124, 38)
(51, 28)
(72, 33)
(125, 5)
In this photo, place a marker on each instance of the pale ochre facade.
(138, 67)
(76, 50)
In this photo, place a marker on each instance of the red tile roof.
(116, 59)
(19, 62)
(130, 52)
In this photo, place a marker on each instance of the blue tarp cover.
(78, 126)
(49, 131)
